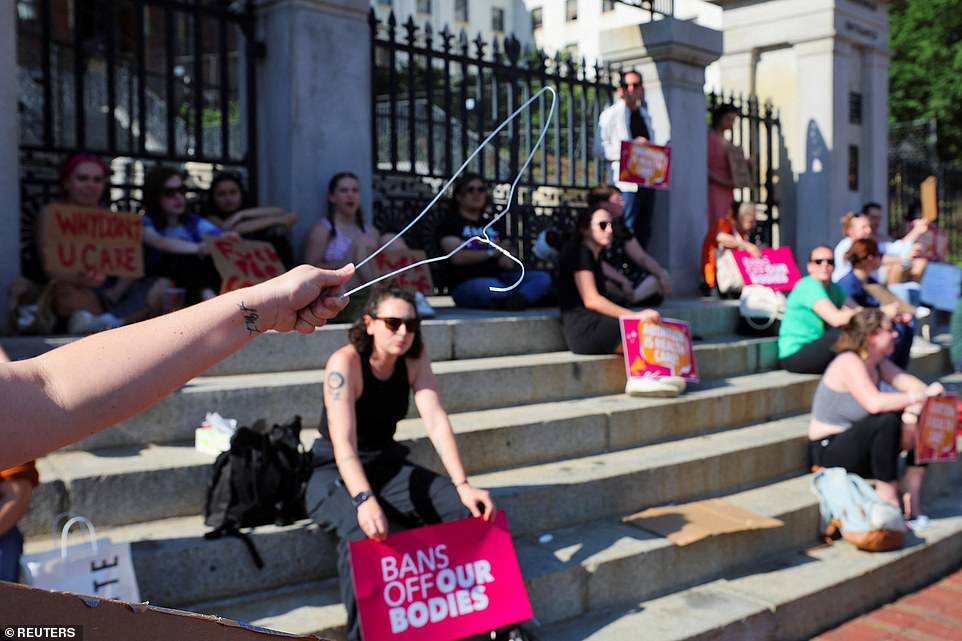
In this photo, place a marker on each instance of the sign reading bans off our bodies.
(440, 582)
(658, 349)
(85, 239)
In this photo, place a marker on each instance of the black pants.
(814, 357)
(644, 210)
(588, 332)
(410, 495)
(870, 448)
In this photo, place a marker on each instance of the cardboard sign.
(645, 164)
(440, 582)
(940, 287)
(775, 268)
(242, 263)
(934, 244)
(658, 349)
(417, 279)
(83, 239)
(741, 169)
(935, 440)
(930, 199)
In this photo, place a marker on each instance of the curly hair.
(859, 329)
(363, 342)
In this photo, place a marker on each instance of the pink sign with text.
(658, 349)
(775, 268)
(440, 582)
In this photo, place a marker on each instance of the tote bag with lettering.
(97, 567)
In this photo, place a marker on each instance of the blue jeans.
(11, 547)
(638, 212)
(476, 293)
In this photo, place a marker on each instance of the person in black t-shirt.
(471, 273)
(589, 319)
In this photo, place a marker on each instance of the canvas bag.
(727, 277)
(761, 306)
(97, 568)
(851, 507)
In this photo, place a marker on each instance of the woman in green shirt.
(815, 312)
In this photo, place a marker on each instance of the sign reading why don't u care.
(440, 582)
(85, 239)
(658, 349)
(242, 263)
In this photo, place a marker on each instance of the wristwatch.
(360, 498)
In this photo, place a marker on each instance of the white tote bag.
(97, 567)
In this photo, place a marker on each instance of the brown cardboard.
(884, 297)
(85, 239)
(242, 263)
(741, 170)
(417, 279)
(930, 203)
(108, 620)
(691, 522)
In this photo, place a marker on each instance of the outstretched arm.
(81, 388)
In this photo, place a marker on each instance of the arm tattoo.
(250, 318)
(335, 382)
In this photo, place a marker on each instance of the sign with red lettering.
(417, 279)
(242, 263)
(775, 268)
(440, 582)
(85, 239)
(658, 349)
(645, 164)
(936, 436)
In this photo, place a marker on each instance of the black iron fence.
(137, 81)
(757, 131)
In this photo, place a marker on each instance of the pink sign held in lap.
(658, 349)
(775, 268)
(440, 582)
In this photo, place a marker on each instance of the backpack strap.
(248, 542)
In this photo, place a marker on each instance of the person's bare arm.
(15, 496)
(860, 385)
(83, 387)
(831, 314)
(153, 238)
(438, 427)
(465, 256)
(596, 302)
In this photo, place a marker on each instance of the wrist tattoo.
(250, 318)
(335, 382)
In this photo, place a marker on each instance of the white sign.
(941, 285)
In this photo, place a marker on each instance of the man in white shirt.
(627, 119)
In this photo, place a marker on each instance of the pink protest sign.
(775, 268)
(440, 582)
(658, 349)
(645, 164)
(936, 436)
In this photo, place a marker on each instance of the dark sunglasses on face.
(603, 225)
(394, 324)
(170, 192)
(474, 189)
(824, 261)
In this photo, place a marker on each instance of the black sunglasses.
(604, 224)
(173, 191)
(474, 189)
(824, 261)
(394, 324)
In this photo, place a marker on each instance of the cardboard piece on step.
(690, 522)
(108, 620)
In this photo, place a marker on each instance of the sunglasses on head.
(173, 191)
(824, 261)
(394, 324)
(474, 189)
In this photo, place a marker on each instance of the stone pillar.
(9, 157)
(677, 53)
(314, 103)
(875, 139)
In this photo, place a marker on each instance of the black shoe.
(704, 289)
(513, 633)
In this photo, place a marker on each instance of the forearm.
(135, 366)
(602, 305)
(350, 468)
(614, 275)
(174, 245)
(470, 257)
(258, 223)
(442, 437)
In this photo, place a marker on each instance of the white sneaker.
(424, 308)
(655, 386)
(922, 312)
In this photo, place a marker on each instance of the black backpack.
(260, 480)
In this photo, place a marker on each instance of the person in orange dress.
(730, 232)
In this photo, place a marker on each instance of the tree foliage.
(926, 72)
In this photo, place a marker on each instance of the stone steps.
(176, 566)
(786, 597)
(118, 486)
(471, 384)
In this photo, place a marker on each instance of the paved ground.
(931, 614)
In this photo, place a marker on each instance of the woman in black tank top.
(362, 481)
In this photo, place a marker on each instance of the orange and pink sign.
(936, 438)
(658, 349)
(775, 268)
(440, 582)
(645, 164)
